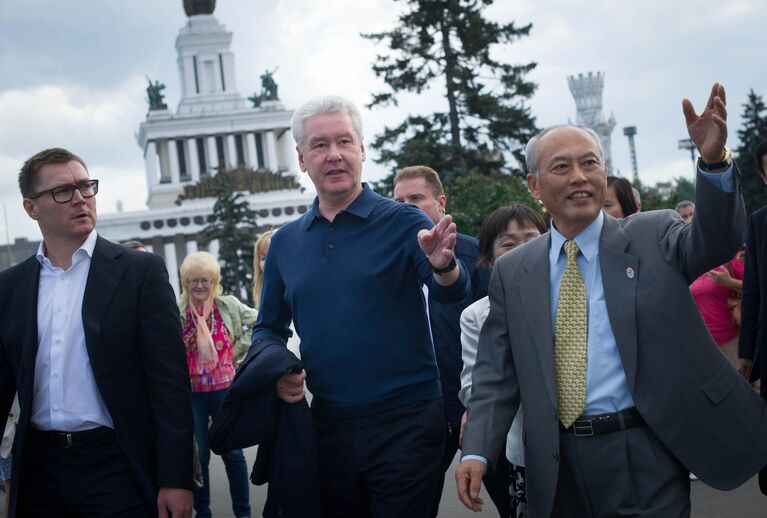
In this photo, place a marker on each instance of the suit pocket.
(721, 383)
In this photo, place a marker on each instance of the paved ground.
(744, 502)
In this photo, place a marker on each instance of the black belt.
(74, 439)
(605, 423)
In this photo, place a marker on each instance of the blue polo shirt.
(353, 290)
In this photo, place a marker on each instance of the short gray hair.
(320, 105)
(684, 203)
(531, 155)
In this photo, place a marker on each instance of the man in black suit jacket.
(753, 311)
(421, 186)
(90, 338)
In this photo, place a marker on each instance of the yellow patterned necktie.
(570, 340)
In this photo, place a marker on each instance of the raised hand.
(709, 129)
(439, 242)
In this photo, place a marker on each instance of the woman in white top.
(503, 230)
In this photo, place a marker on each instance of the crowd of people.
(632, 339)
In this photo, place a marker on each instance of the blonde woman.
(259, 259)
(216, 330)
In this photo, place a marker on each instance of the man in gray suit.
(593, 328)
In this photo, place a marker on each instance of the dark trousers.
(92, 480)
(452, 435)
(381, 466)
(496, 484)
(204, 406)
(623, 473)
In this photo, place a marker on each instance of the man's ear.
(442, 200)
(300, 159)
(532, 184)
(31, 207)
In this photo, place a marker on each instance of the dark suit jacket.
(753, 310)
(446, 329)
(689, 394)
(133, 338)
(251, 414)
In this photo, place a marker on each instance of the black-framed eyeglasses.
(64, 193)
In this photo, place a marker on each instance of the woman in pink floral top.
(711, 292)
(216, 331)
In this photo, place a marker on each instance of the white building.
(213, 129)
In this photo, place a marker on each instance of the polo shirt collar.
(362, 206)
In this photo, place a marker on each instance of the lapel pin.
(630, 272)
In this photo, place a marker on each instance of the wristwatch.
(724, 162)
(447, 269)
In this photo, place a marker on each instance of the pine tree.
(753, 132)
(449, 45)
(233, 223)
(474, 196)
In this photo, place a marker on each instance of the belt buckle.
(586, 428)
(69, 443)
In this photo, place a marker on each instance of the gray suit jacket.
(683, 386)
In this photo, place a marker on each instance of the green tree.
(665, 195)
(474, 196)
(449, 45)
(233, 223)
(753, 131)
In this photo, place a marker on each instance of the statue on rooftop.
(268, 89)
(155, 96)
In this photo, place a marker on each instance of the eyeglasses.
(64, 193)
(201, 282)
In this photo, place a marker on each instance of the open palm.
(709, 129)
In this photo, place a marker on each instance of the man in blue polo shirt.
(349, 274)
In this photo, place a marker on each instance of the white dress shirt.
(66, 397)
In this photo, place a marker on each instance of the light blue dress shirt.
(607, 389)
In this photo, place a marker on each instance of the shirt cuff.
(475, 457)
(724, 181)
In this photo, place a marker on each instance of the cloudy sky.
(73, 74)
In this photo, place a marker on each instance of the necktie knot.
(571, 249)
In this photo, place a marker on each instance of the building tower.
(213, 130)
(587, 91)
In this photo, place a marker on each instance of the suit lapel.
(620, 275)
(29, 291)
(103, 277)
(535, 296)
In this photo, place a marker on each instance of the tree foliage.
(753, 132)
(474, 196)
(233, 224)
(449, 45)
(665, 195)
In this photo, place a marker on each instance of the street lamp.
(688, 144)
(630, 131)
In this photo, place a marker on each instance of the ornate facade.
(212, 130)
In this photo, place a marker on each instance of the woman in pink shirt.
(711, 292)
